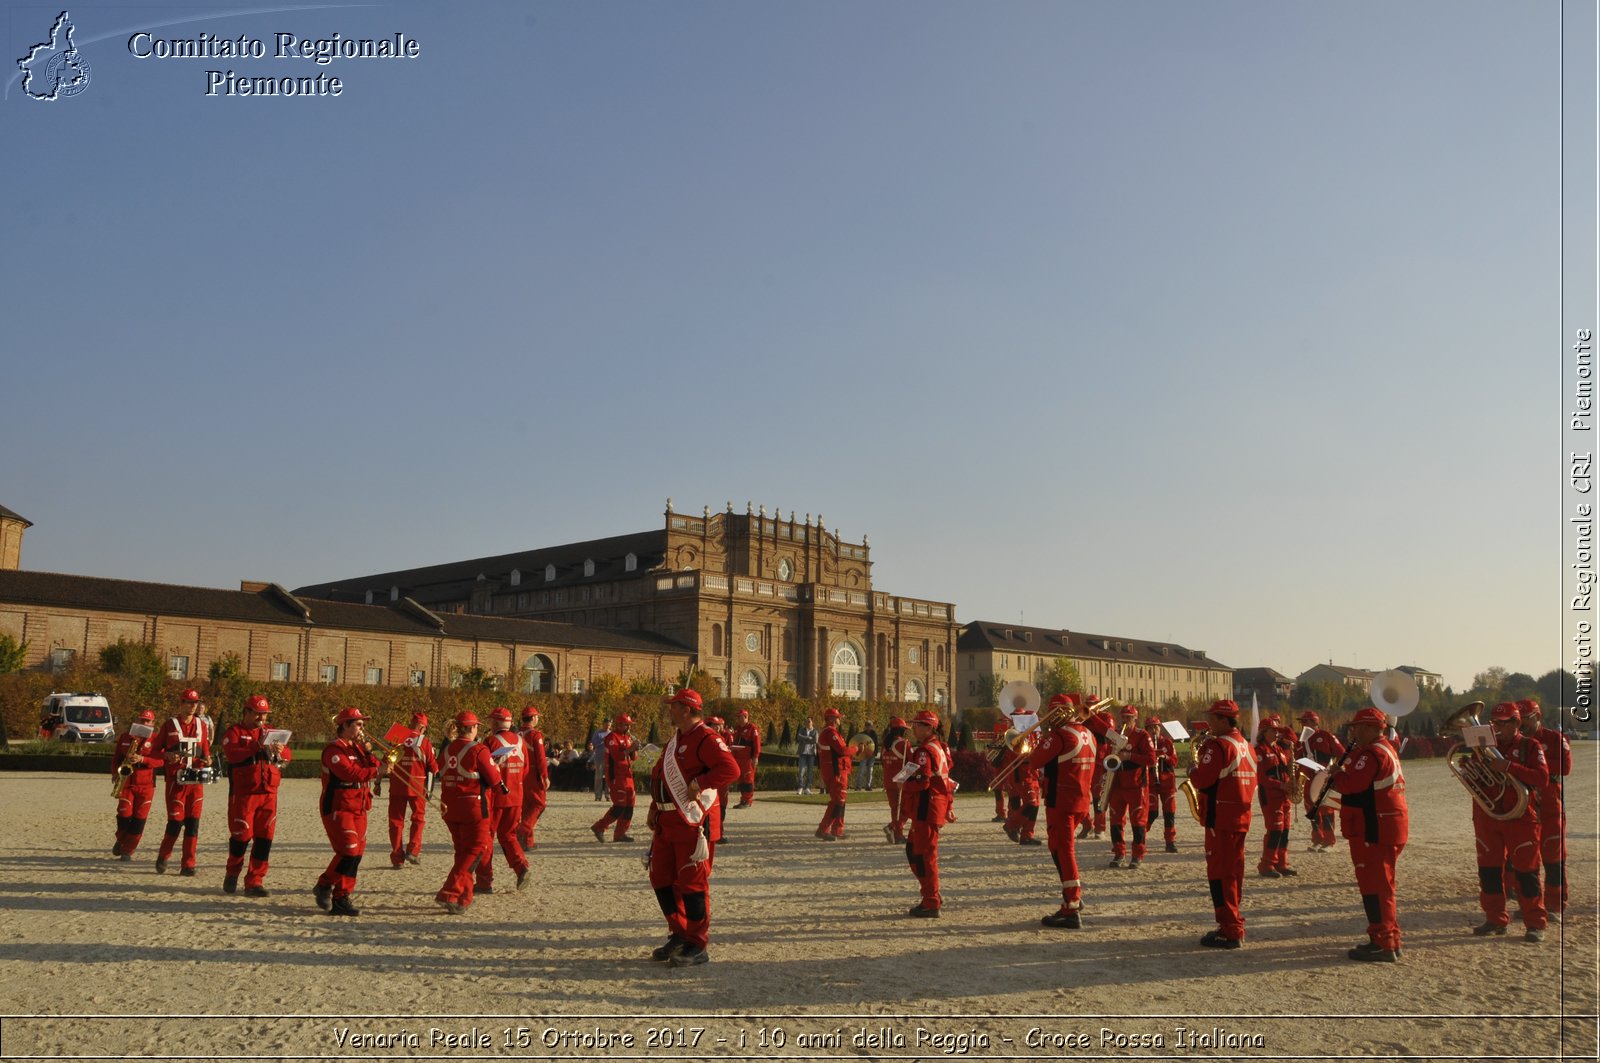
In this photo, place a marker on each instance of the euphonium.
(1500, 796)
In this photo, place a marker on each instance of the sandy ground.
(813, 956)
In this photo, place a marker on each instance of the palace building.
(755, 599)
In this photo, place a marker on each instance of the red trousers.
(503, 826)
(1129, 806)
(833, 817)
(1162, 800)
(347, 833)
(1276, 815)
(133, 810)
(620, 812)
(251, 821)
(401, 800)
(898, 815)
(1322, 827)
(1375, 866)
(533, 802)
(1553, 848)
(184, 804)
(1060, 828)
(474, 844)
(1225, 872)
(1022, 815)
(682, 887)
(922, 853)
(1512, 844)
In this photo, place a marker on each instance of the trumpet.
(1500, 796)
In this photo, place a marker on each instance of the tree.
(988, 690)
(607, 691)
(701, 682)
(648, 688)
(474, 679)
(1557, 688)
(139, 663)
(12, 655)
(229, 685)
(1061, 678)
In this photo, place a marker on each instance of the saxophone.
(125, 769)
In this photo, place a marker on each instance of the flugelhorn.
(1500, 796)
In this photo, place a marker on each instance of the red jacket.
(538, 779)
(1065, 759)
(1324, 747)
(465, 776)
(1166, 756)
(512, 766)
(346, 770)
(927, 792)
(702, 756)
(1372, 792)
(251, 770)
(1274, 772)
(833, 756)
(619, 761)
(749, 736)
(1225, 779)
(144, 762)
(415, 766)
(167, 743)
(1138, 756)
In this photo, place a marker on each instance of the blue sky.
(1233, 324)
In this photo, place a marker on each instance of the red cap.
(147, 714)
(926, 716)
(1310, 717)
(1200, 725)
(895, 721)
(1148, 720)
(1370, 715)
(713, 721)
(831, 713)
(189, 696)
(1530, 708)
(1226, 707)
(257, 703)
(1130, 712)
(346, 715)
(621, 722)
(500, 713)
(419, 720)
(744, 712)
(466, 719)
(1059, 700)
(531, 712)
(689, 699)
(1506, 710)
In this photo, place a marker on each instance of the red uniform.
(928, 792)
(1374, 820)
(534, 787)
(1513, 843)
(347, 771)
(1022, 801)
(410, 783)
(1225, 778)
(1275, 768)
(1325, 749)
(620, 749)
(505, 807)
(138, 793)
(747, 737)
(466, 775)
(1065, 759)
(185, 800)
(1553, 817)
(1163, 789)
(682, 884)
(1127, 791)
(896, 748)
(253, 777)
(834, 767)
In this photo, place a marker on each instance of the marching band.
(1080, 759)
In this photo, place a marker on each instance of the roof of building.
(271, 604)
(1245, 675)
(6, 514)
(1015, 638)
(1344, 670)
(1414, 669)
(453, 581)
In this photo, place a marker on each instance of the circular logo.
(67, 73)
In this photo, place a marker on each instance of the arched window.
(941, 697)
(939, 658)
(751, 684)
(516, 577)
(845, 677)
(549, 573)
(914, 691)
(630, 562)
(538, 675)
(588, 566)
(716, 640)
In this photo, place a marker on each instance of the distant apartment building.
(12, 525)
(1269, 687)
(1337, 675)
(1137, 671)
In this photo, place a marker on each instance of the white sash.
(693, 810)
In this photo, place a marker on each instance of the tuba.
(1500, 796)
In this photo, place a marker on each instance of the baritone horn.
(1500, 796)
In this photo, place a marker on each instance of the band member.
(896, 748)
(1511, 842)
(1127, 791)
(467, 774)
(1224, 776)
(136, 753)
(537, 784)
(1163, 793)
(410, 787)
(835, 771)
(348, 766)
(1065, 759)
(255, 768)
(928, 791)
(1552, 812)
(1323, 747)
(1275, 769)
(724, 732)
(1374, 820)
(694, 766)
(746, 736)
(1022, 791)
(510, 756)
(621, 748)
(185, 748)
